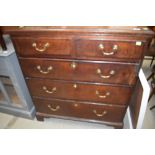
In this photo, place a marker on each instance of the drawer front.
(80, 110)
(42, 47)
(84, 92)
(102, 49)
(80, 71)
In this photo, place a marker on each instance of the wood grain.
(80, 110)
(83, 92)
(62, 69)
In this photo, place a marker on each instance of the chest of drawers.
(81, 73)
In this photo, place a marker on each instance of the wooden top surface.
(103, 29)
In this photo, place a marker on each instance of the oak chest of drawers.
(81, 73)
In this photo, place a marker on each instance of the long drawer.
(80, 110)
(79, 91)
(107, 72)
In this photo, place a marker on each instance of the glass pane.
(11, 92)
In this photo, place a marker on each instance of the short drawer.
(42, 47)
(105, 49)
(80, 110)
(109, 72)
(79, 91)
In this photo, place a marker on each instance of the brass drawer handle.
(45, 46)
(100, 115)
(49, 91)
(101, 46)
(75, 86)
(73, 65)
(45, 72)
(115, 48)
(54, 109)
(102, 96)
(76, 105)
(112, 72)
(21, 27)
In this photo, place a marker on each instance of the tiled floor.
(12, 122)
